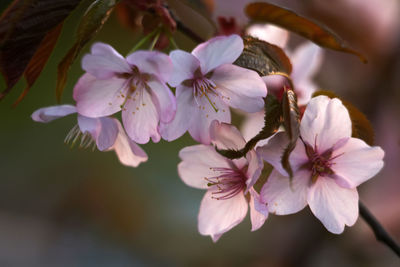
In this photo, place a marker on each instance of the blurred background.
(73, 207)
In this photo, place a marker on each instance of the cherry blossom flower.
(328, 165)
(207, 83)
(229, 183)
(106, 132)
(136, 85)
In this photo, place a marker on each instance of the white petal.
(226, 136)
(99, 98)
(356, 162)
(108, 133)
(269, 33)
(258, 210)
(51, 113)
(140, 118)
(241, 88)
(152, 62)
(185, 65)
(219, 216)
(333, 205)
(325, 121)
(104, 62)
(204, 114)
(255, 167)
(163, 99)
(89, 125)
(128, 152)
(183, 117)
(306, 61)
(284, 198)
(196, 165)
(218, 51)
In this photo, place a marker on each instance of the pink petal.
(185, 65)
(226, 136)
(258, 210)
(108, 133)
(89, 125)
(219, 216)
(241, 88)
(51, 113)
(140, 118)
(356, 162)
(304, 92)
(333, 205)
(284, 198)
(204, 114)
(272, 153)
(325, 121)
(255, 167)
(128, 152)
(252, 125)
(269, 33)
(98, 98)
(183, 117)
(218, 51)
(306, 61)
(196, 163)
(104, 62)
(152, 62)
(163, 99)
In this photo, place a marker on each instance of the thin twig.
(191, 34)
(377, 228)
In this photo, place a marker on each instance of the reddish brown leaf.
(264, 12)
(23, 25)
(39, 59)
(361, 127)
(93, 20)
(263, 57)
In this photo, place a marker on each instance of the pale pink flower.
(207, 83)
(328, 165)
(227, 182)
(136, 85)
(106, 132)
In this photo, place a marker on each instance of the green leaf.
(264, 12)
(272, 121)
(92, 21)
(291, 122)
(361, 126)
(263, 57)
(23, 27)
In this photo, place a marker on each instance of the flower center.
(136, 82)
(203, 87)
(227, 184)
(319, 163)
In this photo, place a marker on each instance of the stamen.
(228, 183)
(202, 87)
(86, 139)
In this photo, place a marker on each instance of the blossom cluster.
(327, 162)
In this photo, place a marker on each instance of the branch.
(191, 34)
(377, 228)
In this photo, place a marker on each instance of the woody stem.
(380, 233)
